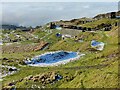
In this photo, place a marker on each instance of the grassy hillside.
(98, 22)
(97, 69)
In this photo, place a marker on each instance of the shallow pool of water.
(53, 58)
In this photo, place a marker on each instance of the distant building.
(68, 33)
(52, 25)
(113, 15)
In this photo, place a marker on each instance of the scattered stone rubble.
(45, 78)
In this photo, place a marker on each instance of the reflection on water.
(53, 58)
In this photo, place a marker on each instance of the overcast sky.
(59, 0)
(39, 13)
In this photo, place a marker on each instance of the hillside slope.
(97, 69)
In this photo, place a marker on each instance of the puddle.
(53, 58)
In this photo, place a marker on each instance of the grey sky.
(32, 14)
(59, 0)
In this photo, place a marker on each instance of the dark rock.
(68, 78)
(12, 69)
(20, 80)
(22, 63)
(58, 77)
(5, 59)
(11, 84)
(47, 78)
(26, 83)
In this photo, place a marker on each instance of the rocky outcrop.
(45, 78)
(12, 69)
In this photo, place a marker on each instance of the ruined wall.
(71, 32)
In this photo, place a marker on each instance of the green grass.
(98, 22)
(97, 69)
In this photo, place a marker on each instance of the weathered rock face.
(45, 78)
